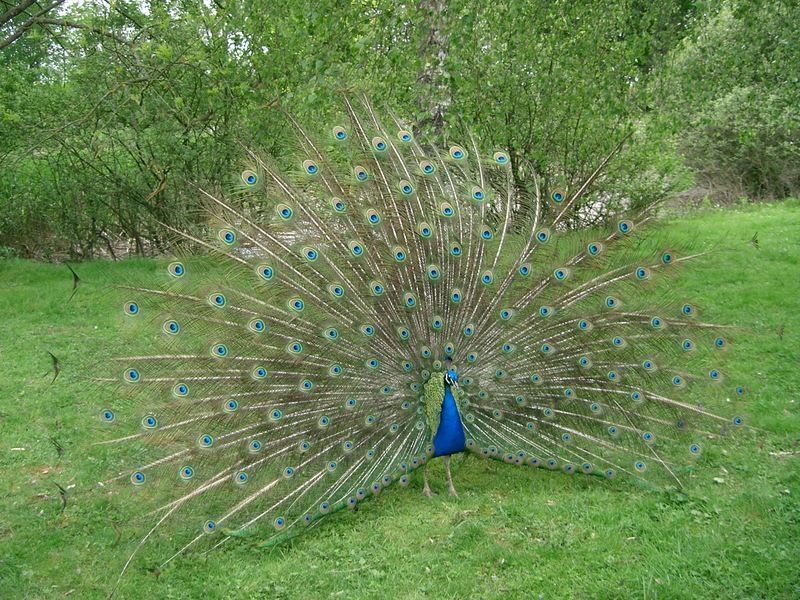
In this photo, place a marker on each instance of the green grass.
(734, 532)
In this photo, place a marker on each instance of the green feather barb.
(434, 395)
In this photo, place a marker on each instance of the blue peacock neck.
(449, 438)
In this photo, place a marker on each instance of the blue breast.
(449, 438)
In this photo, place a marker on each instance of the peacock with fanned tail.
(375, 302)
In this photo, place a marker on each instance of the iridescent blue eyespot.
(265, 272)
(486, 233)
(545, 311)
(367, 330)
(687, 344)
(719, 342)
(356, 249)
(338, 205)
(186, 473)
(543, 236)
(331, 333)
(399, 254)
(131, 375)
(249, 178)
(288, 472)
(306, 384)
(648, 365)
(739, 390)
(558, 196)
(219, 350)
(584, 325)
(618, 341)
(656, 322)
(171, 327)
(310, 167)
(228, 236)
(613, 376)
(149, 422)
(360, 173)
(437, 322)
(546, 348)
(131, 308)
(455, 249)
(536, 378)
(568, 393)
(335, 369)
(595, 407)
(176, 269)
(406, 188)
(487, 277)
(594, 248)
(472, 357)
(254, 446)
(350, 403)
(403, 333)
(279, 523)
(284, 211)
(506, 314)
(340, 133)
(455, 295)
(378, 144)
(478, 194)
(694, 449)
(642, 273)
(469, 330)
(612, 430)
(525, 270)
(230, 406)
(687, 309)
(612, 302)
(500, 158)
(259, 373)
(433, 272)
(137, 478)
(241, 478)
(584, 361)
(561, 274)
(647, 436)
(666, 257)
(639, 466)
(217, 300)
(677, 380)
(107, 416)
(427, 167)
(738, 421)
(205, 441)
(625, 226)
(180, 390)
(636, 396)
(324, 421)
(457, 152)
(405, 136)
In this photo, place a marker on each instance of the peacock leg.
(450, 487)
(426, 489)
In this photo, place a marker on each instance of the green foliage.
(513, 532)
(108, 118)
(732, 89)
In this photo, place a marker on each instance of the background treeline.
(109, 109)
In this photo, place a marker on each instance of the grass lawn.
(734, 531)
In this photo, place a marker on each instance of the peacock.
(371, 302)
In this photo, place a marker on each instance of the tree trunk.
(434, 90)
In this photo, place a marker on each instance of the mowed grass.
(733, 532)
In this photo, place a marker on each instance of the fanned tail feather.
(283, 374)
